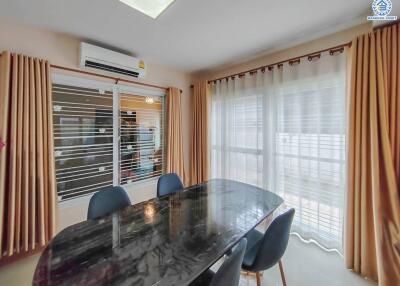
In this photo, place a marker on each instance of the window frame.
(116, 89)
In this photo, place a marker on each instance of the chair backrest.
(229, 272)
(168, 184)
(274, 242)
(107, 201)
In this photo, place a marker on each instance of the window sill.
(129, 188)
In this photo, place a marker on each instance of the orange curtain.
(174, 158)
(27, 177)
(199, 153)
(373, 214)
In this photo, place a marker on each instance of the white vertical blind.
(284, 130)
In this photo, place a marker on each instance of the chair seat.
(254, 239)
(204, 279)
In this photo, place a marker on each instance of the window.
(140, 138)
(236, 139)
(285, 130)
(104, 135)
(310, 159)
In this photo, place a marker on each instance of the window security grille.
(84, 122)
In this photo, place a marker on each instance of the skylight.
(152, 8)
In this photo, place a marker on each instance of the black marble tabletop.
(163, 241)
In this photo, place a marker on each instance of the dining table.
(168, 240)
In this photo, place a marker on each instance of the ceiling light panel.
(152, 8)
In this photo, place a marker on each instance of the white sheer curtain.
(284, 130)
(236, 131)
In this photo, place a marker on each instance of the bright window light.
(152, 8)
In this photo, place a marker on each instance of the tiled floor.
(304, 264)
(308, 265)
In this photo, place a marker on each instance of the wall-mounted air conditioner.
(107, 60)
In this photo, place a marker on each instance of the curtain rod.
(116, 79)
(295, 59)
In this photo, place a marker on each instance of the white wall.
(325, 42)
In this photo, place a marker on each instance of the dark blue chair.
(107, 201)
(265, 250)
(229, 272)
(168, 184)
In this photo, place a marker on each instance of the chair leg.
(258, 278)
(282, 273)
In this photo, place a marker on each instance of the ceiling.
(192, 35)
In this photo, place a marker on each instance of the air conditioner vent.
(91, 64)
